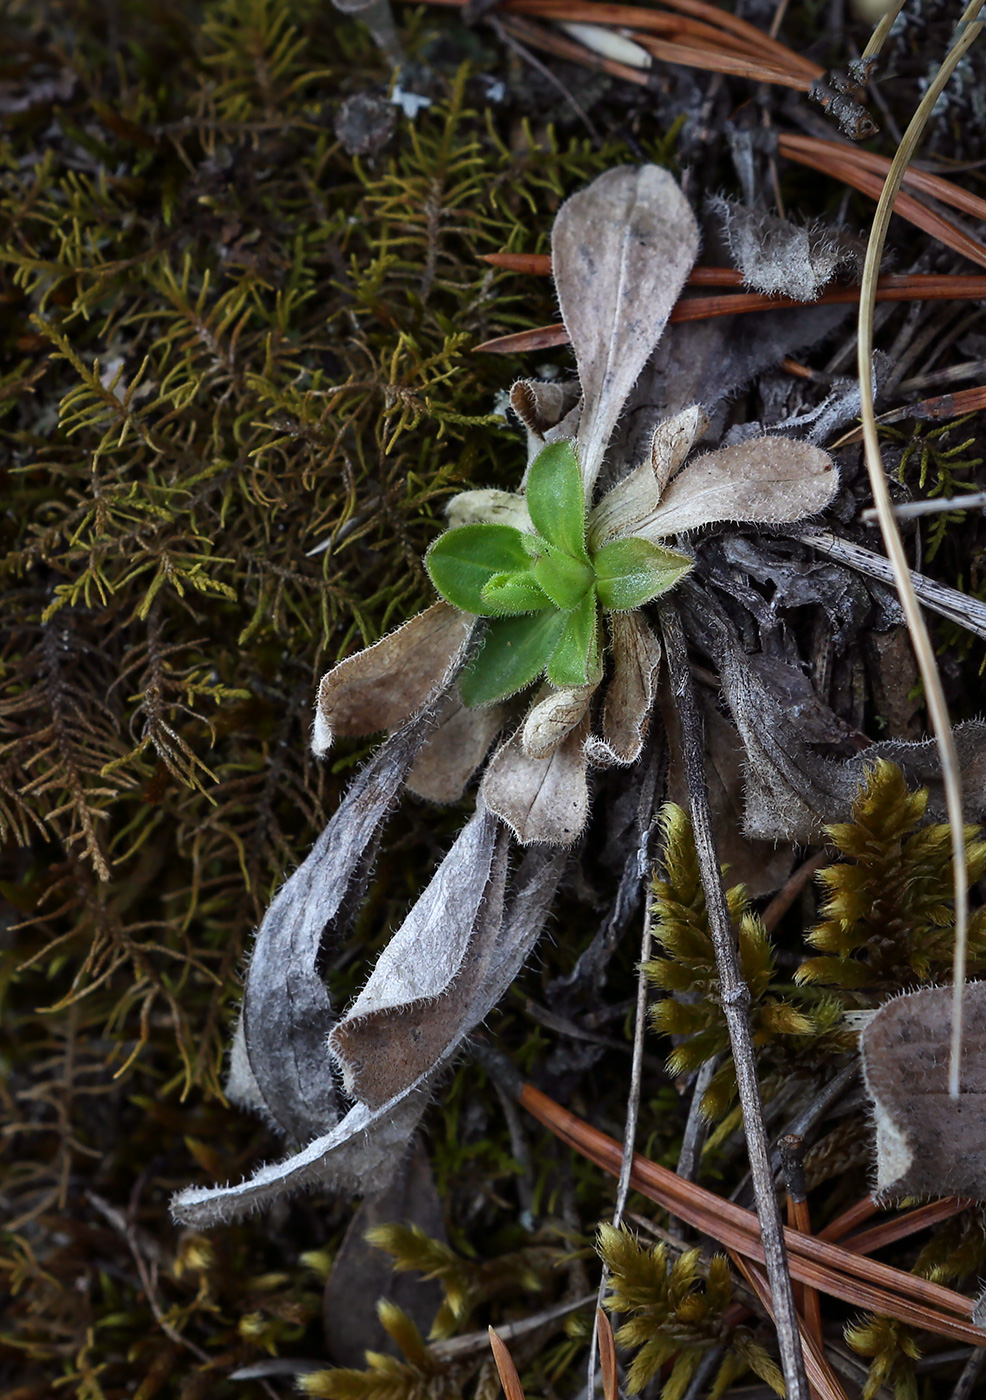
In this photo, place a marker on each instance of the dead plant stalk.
(734, 997)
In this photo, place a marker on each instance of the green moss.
(238, 386)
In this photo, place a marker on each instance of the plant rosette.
(542, 585)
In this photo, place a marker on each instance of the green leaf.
(505, 595)
(556, 500)
(462, 562)
(565, 580)
(630, 572)
(515, 651)
(574, 660)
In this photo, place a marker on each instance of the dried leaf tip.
(621, 251)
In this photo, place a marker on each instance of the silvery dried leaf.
(927, 1143)
(541, 404)
(781, 258)
(638, 495)
(488, 506)
(791, 791)
(551, 717)
(630, 694)
(413, 1006)
(544, 801)
(359, 1155)
(384, 686)
(454, 749)
(362, 1274)
(364, 1151)
(768, 481)
(280, 1062)
(621, 250)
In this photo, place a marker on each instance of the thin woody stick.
(735, 1000)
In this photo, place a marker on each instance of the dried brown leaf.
(396, 678)
(621, 250)
(542, 800)
(769, 481)
(927, 1143)
(630, 694)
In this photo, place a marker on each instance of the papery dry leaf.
(454, 749)
(393, 680)
(760, 866)
(638, 495)
(768, 481)
(620, 252)
(362, 1274)
(542, 800)
(363, 1152)
(791, 792)
(360, 1154)
(781, 258)
(673, 439)
(488, 506)
(287, 1012)
(541, 404)
(927, 1143)
(551, 717)
(630, 694)
(413, 1005)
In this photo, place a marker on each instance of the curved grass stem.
(967, 32)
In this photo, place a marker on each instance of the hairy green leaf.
(556, 500)
(574, 659)
(565, 580)
(515, 651)
(508, 594)
(462, 562)
(631, 572)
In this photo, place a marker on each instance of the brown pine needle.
(845, 1223)
(505, 1368)
(917, 287)
(938, 408)
(799, 1218)
(830, 158)
(607, 1357)
(824, 1382)
(539, 36)
(867, 1241)
(717, 38)
(859, 1281)
(937, 186)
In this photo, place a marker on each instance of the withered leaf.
(360, 1154)
(630, 696)
(927, 1143)
(454, 749)
(638, 496)
(540, 404)
(383, 686)
(287, 1012)
(419, 993)
(551, 717)
(770, 481)
(544, 801)
(620, 250)
(781, 258)
(363, 1152)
